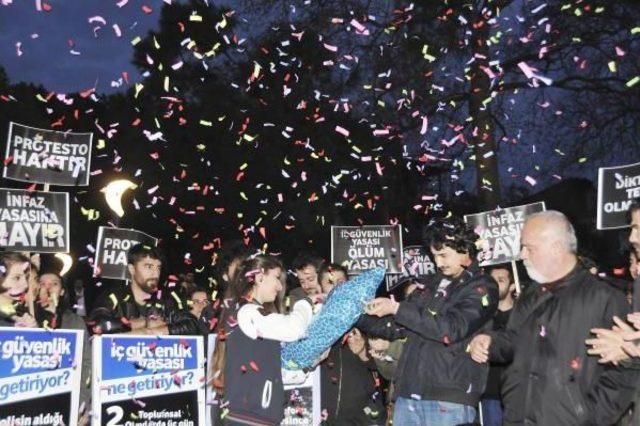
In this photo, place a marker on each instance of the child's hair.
(6, 261)
(245, 277)
(240, 289)
(332, 267)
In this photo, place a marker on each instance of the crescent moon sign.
(67, 262)
(113, 193)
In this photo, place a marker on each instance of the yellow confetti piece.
(40, 98)
(136, 41)
(485, 300)
(248, 138)
(635, 30)
(206, 123)
(222, 23)
(256, 70)
(201, 147)
(7, 309)
(114, 299)
(243, 196)
(139, 87)
(155, 43)
(633, 81)
(426, 55)
(244, 166)
(101, 144)
(612, 66)
(582, 160)
(195, 18)
(92, 214)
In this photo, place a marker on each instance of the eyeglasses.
(201, 302)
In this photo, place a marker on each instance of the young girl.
(13, 291)
(247, 367)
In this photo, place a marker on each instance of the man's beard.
(150, 286)
(534, 274)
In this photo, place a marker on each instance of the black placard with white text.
(47, 156)
(359, 248)
(34, 221)
(111, 250)
(499, 232)
(617, 188)
(416, 262)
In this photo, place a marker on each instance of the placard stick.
(516, 277)
(46, 187)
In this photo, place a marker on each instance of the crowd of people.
(457, 347)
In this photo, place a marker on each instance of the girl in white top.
(252, 331)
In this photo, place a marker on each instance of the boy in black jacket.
(436, 381)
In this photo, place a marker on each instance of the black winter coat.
(438, 325)
(113, 308)
(551, 380)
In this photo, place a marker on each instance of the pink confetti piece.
(330, 47)
(98, 19)
(531, 181)
(121, 3)
(116, 29)
(360, 29)
(425, 125)
(529, 72)
(342, 131)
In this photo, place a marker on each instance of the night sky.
(60, 49)
(320, 113)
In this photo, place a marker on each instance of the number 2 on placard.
(119, 413)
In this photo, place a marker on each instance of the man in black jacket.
(436, 382)
(139, 308)
(552, 380)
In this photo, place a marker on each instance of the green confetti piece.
(633, 81)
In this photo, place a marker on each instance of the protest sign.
(145, 380)
(359, 248)
(34, 221)
(499, 232)
(617, 188)
(47, 156)
(416, 262)
(39, 376)
(111, 250)
(302, 401)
